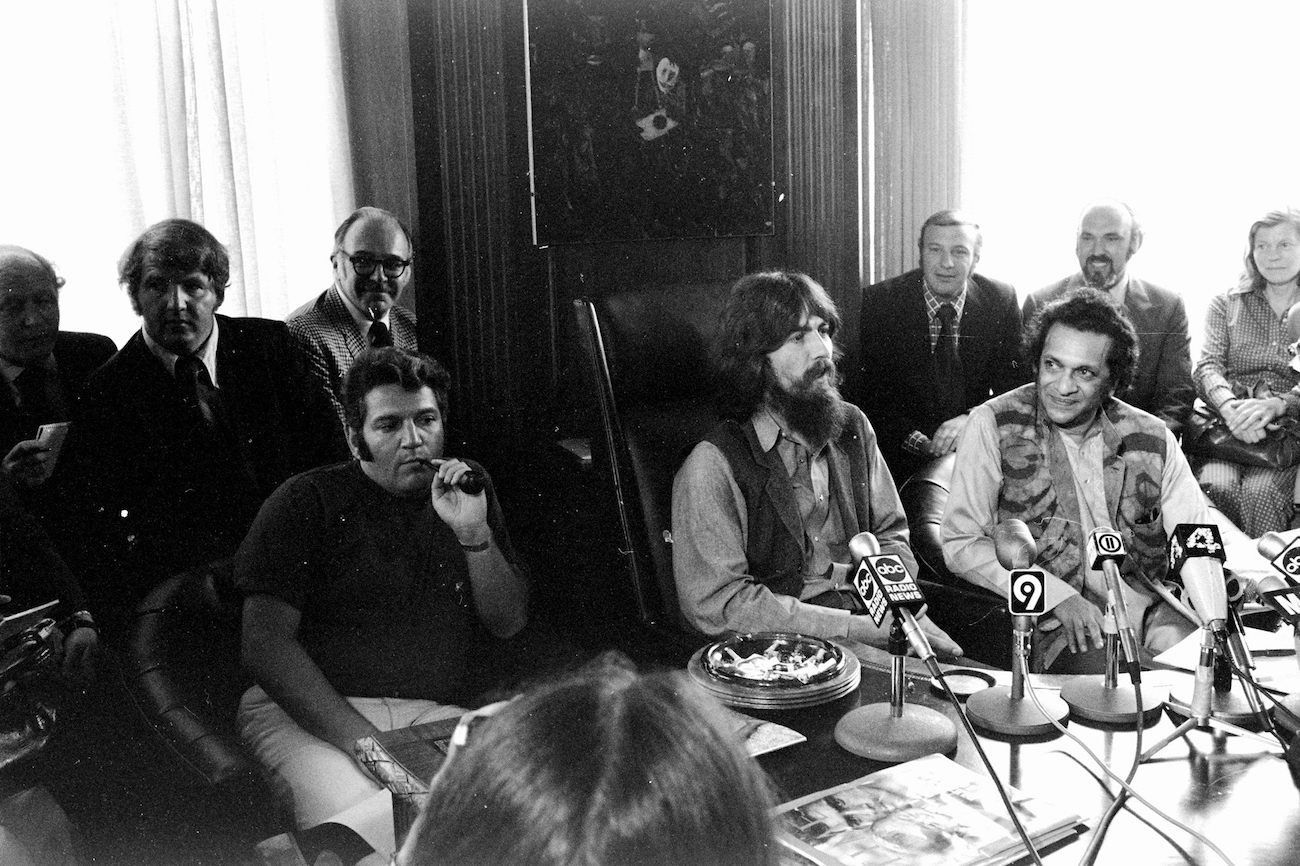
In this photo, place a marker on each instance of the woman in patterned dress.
(1245, 373)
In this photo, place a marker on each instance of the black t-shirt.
(381, 582)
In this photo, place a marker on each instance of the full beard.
(1100, 272)
(813, 407)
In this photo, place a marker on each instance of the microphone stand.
(1004, 710)
(1103, 699)
(1231, 700)
(896, 731)
(1200, 710)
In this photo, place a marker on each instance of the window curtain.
(123, 113)
(913, 60)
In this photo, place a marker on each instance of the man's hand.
(1080, 620)
(945, 439)
(80, 654)
(28, 464)
(466, 514)
(863, 628)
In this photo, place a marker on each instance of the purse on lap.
(1207, 435)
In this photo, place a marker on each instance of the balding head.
(371, 258)
(1108, 236)
(29, 305)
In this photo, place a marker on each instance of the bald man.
(43, 368)
(1109, 236)
(372, 265)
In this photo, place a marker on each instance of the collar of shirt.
(360, 316)
(770, 431)
(207, 353)
(1117, 293)
(932, 304)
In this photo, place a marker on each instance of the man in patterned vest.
(764, 507)
(1066, 457)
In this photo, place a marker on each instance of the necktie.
(197, 388)
(950, 385)
(380, 336)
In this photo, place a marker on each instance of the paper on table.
(1272, 652)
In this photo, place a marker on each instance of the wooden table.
(1236, 791)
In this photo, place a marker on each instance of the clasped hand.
(1248, 418)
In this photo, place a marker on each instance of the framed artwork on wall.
(649, 119)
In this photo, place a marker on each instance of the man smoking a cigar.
(363, 586)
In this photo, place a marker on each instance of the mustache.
(817, 370)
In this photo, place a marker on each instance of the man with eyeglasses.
(372, 265)
(183, 433)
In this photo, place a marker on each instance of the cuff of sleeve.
(1220, 395)
(915, 443)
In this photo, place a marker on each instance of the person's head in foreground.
(604, 767)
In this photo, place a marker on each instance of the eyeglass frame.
(368, 263)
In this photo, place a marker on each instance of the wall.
(496, 309)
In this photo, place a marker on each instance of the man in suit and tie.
(44, 369)
(184, 432)
(935, 342)
(372, 265)
(1109, 235)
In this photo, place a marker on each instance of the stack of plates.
(775, 670)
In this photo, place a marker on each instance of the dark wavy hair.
(390, 366)
(1088, 310)
(174, 246)
(761, 311)
(603, 766)
(1252, 278)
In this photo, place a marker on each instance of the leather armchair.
(648, 354)
(183, 672)
(974, 617)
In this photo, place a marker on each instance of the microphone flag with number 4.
(1025, 595)
(1191, 540)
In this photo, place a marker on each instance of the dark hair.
(603, 766)
(368, 212)
(1090, 310)
(391, 366)
(950, 217)
(175, 246)
(1252, 278)
(761, 311)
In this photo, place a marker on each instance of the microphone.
(1014, 544)
(882, 580)
(1280, 593)
(1196, 556)
(1106, 553)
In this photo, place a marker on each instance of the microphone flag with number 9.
(1025, 595)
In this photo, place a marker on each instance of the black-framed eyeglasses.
(364, 264)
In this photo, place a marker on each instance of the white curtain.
(914, 124)
(119, 113)
(1182, 110)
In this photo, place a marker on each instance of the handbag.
(1207, 435)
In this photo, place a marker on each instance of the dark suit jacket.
(897, 381)
(153, 490)
(77, 356)
(1162, 383)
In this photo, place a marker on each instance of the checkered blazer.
(325, 334)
